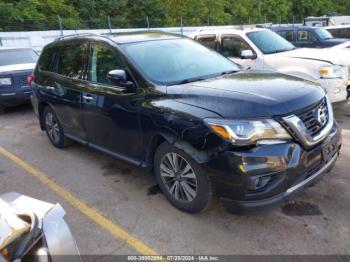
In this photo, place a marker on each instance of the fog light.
(256, 183)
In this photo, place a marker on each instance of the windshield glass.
(323, 33)
(177, 61)
(17, 56)
(269, 42)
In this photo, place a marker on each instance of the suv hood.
(337, 57)
(249, 94)
(335, 41)
(18, 67)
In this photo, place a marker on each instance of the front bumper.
(336, 89)
(290, 168)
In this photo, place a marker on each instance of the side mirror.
(247, 54)
(118, 77)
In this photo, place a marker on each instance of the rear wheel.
(182, 180)
(54, 129)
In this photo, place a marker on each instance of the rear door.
(111, 112)
(61, 86)
(208, 41)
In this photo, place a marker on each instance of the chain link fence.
(11, 25)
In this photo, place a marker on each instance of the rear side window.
(232, 46)
(71, 60)
(208, 41)
(47, 58)
(288, 35)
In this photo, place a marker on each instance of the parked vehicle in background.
(339, 31)
(168, 104)
(331, 19)
(263, 49)
(16, 64)
(306, 36)
(33, 230)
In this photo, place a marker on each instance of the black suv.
(170, 105)
(308, 36)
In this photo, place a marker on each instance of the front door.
(110, 112)
(232, 46)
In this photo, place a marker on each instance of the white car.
(263, 49)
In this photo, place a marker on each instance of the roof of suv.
(227, 31)
(126, 37)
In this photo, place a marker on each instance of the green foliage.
(77, 14)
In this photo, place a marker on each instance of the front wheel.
(54, 129)
(182, 180)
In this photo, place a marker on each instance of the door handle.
(88, 98)
(51, 88)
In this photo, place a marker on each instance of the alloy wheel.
(52, 127)
(178, 177)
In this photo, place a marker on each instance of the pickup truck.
(262, 49)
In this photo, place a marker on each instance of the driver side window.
(232, 46)
(306, 37)
(102, 60)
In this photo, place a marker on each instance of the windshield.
(17, 56)
(177, 61)
(269, 42)
(323, 33)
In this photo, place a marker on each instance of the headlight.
(248, 132)
(5, 81)
(333, 71)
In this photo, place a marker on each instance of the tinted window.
(208, 41)
(102, 60)
(232, 46)
(47, 59)
(177, 60)
(288, 35)
(306, 36)
(269, 42)
(71, 60)
(17, 56)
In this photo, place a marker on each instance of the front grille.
(316, 118)
(23, 82)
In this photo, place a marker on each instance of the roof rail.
(74, 35)
(135, 31)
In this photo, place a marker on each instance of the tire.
(54, 129)
(186, 186)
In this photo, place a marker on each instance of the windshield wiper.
(190, 80)
(229, 72)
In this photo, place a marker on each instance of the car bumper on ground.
(284, 169)
(336, 89)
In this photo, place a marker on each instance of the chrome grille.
(316, 118)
